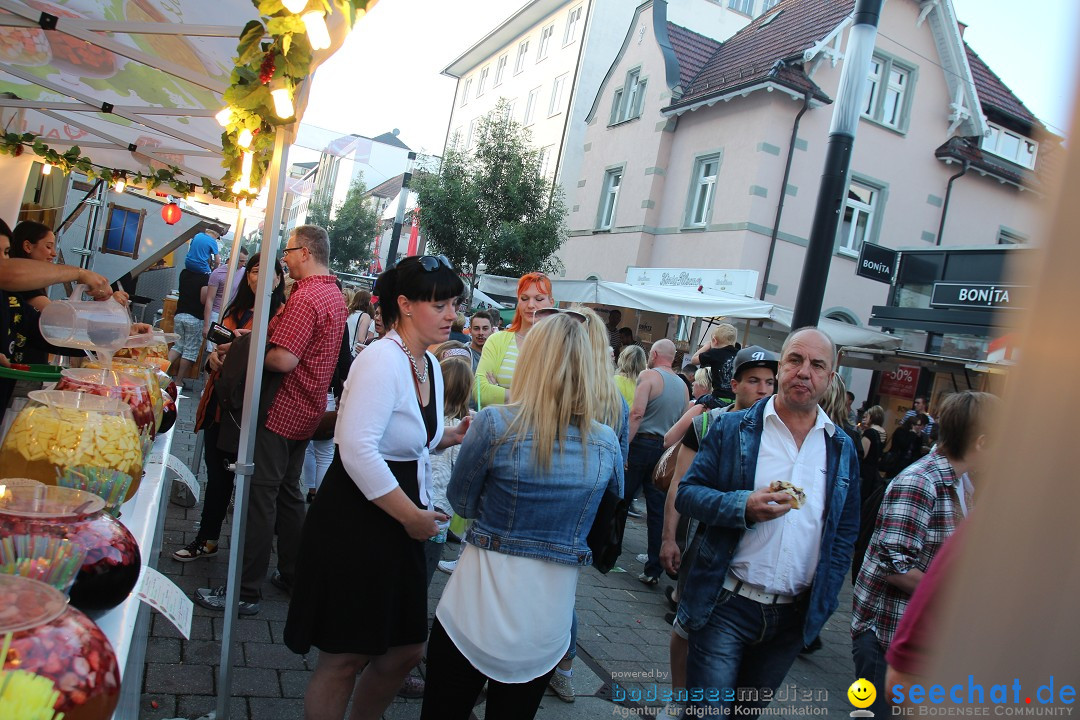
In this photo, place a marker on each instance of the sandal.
(412, 687)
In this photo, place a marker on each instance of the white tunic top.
(509, 616)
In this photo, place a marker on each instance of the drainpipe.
(783, 193)
(945, 205)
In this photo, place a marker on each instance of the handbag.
(229, 388)
(605, 535)
(325, 428)
(665, 468)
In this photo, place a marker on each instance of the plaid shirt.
(921, 509)
(311, 327)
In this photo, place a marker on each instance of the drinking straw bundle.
(108, 484)
(25, 695)
(53, 561)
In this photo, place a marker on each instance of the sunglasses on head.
(431, 263)
(552, 311)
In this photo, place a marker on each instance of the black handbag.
(605, 536)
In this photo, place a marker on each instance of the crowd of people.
(763, 488)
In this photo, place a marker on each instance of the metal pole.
(248, 419)
(395, 236)
(234, 257)
(850, 97)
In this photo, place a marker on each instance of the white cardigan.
(379, 419)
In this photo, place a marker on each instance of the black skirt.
(361, 584)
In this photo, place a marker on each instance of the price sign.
(900, 382)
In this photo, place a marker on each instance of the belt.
(649, 435)
(738, 587)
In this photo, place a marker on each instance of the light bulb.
(283, 106)
(239, 186)
(245, 168)
(317, 33)
(120, 184)
(244, 138)
(224, 116)
(294, 6)
(46, 169)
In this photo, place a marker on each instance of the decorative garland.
(273, 50)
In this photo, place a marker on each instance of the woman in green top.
(632, 362)
(499, 358)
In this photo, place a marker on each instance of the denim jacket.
(521, 510)
(714, 491)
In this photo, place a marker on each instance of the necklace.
(420, 377)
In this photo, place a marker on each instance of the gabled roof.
(750, 57)
(391, 138)
(994, 94)
(692, 51)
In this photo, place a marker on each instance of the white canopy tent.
(684, 301)
(136, 85)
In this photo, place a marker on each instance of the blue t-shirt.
(198, 255)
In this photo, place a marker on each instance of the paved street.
(622, 641)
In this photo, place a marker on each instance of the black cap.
(754, 356)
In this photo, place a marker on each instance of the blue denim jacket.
(520, 510)
(714, 491)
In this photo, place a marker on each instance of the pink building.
(688, 139)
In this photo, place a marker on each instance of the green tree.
(492, 207)
(351, 227)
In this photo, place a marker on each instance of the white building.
(344, 159)
(548, 60)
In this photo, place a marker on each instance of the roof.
(387, 189)
(959, 148)
(691, 49)
(391, 138)
(751, 55)
(510, 29)
(994, 94)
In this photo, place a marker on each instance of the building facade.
(695, 178)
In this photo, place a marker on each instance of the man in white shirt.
(769, 567)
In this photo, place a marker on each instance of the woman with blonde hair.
(632, 362)
(496, 368)
(531, 474)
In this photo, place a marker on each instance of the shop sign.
(737, 282)
(877, 263)
(900, 382)
(979, 296)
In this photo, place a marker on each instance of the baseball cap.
(754, 356)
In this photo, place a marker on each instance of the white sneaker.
(563, 686)
(643, 558)
(447, 566)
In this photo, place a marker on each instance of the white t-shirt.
(509, 616)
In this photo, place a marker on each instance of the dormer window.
(1010, 145)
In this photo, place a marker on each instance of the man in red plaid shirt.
(921, 509)
(304, 345)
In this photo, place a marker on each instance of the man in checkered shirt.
(921, 509)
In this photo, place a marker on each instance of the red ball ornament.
(171, 213)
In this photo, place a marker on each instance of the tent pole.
(234, 258)
(244, 467)
(746, 333)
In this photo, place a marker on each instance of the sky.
(387, 74)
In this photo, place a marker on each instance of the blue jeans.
(745, 645)
(645, 452)
(869, 657)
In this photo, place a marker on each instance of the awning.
(878, 359)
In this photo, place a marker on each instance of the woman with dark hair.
(372, 515)
(361, 329)
(906, 445)
(219, 481)
(500, 355)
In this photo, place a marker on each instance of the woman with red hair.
(499, 358)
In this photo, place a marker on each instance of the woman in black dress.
(360, 593)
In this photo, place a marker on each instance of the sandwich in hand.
(798, 497)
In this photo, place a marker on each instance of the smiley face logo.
(862, 693)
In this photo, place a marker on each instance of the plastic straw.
(51, 560)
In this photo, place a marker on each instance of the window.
(509, 110)
(858, 221)
(530, 106)
(1010, 145)
(545, 160)
(465, 92)
(702, 190)
(628, 99)
(123, 230)
(889, 94)
(609, 198)
(519, 61)
(471, 136)
(545, 42)
(500, 70)
(572, 20)
(746, 7)
(555, 106)
(482, 81)
(455, 139)
(768, 5)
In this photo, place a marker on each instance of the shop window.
(123, 231)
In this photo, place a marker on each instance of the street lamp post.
(395, 235)
(850, 99)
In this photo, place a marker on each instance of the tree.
(493, 207)
(351, 227)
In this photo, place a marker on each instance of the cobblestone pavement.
(622, 639)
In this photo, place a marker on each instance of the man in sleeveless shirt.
(659, 401)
